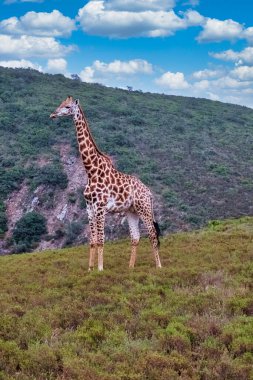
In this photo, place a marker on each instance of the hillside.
(191, 320)
(195, 154)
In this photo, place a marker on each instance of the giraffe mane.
(108, 158)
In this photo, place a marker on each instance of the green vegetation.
(195, 154)
(3, 219)
(28, 231)
(193, 319)
(50, 175)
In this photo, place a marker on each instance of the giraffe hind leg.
(146, 214)
(133, 222)
(152, 233)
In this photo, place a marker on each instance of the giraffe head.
(66, 108)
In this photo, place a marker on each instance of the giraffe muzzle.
(53, 116)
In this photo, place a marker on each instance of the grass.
(193, 319)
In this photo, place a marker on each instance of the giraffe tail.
(156, 225)
(158, 231)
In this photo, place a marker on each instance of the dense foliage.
(28, 231)
(195, 154)
(3, 219)
(191, 320)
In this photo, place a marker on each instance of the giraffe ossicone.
(110, 191)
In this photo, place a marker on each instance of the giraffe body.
(109, 191)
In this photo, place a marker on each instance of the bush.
(51, 175)
(28, 231)
(3, 219)
(73, 229)
(9, 356)
(10, 180)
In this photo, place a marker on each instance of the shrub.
(10, 180)
(72, 197)
(28, 230)
(3, 219)
(219, 169)
(91, 333)
(73, 230)
(9, 356)
(43, 362)
(51, 175)
(176, 336)
(238, 335)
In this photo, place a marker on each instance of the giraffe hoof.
(90, 269)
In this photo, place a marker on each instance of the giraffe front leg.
(93, 236)
(100, 219)
(133, 222)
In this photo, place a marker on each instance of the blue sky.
(200, 48)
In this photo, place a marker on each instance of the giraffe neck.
(92, 158)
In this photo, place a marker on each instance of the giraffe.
(110, 191)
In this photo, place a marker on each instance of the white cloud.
(243, 56)
(56, 66)
(124, 67)
(237, 78)
(243, 73)
(29, 46)
(173, 81)
(230, 86)
(53, 24)
(21, 64)
(206, 73)
(193, 3)
(228, 82)
(95, 18)
(213, 96)
(100, 71)
(247, 91)
(248, 34)
(193, 18)
(225, 90)
(202, 85)
(154, 18)
(139, 5)
(87, 74)
(217, 30)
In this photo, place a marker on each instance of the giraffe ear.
(77, 102)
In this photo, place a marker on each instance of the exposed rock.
(15, 207)
(63, 213)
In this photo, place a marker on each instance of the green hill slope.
(193, 319)
(195, 154)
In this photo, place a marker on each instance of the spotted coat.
(109, 191)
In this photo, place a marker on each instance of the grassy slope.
(193, 319)
(195, 154)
